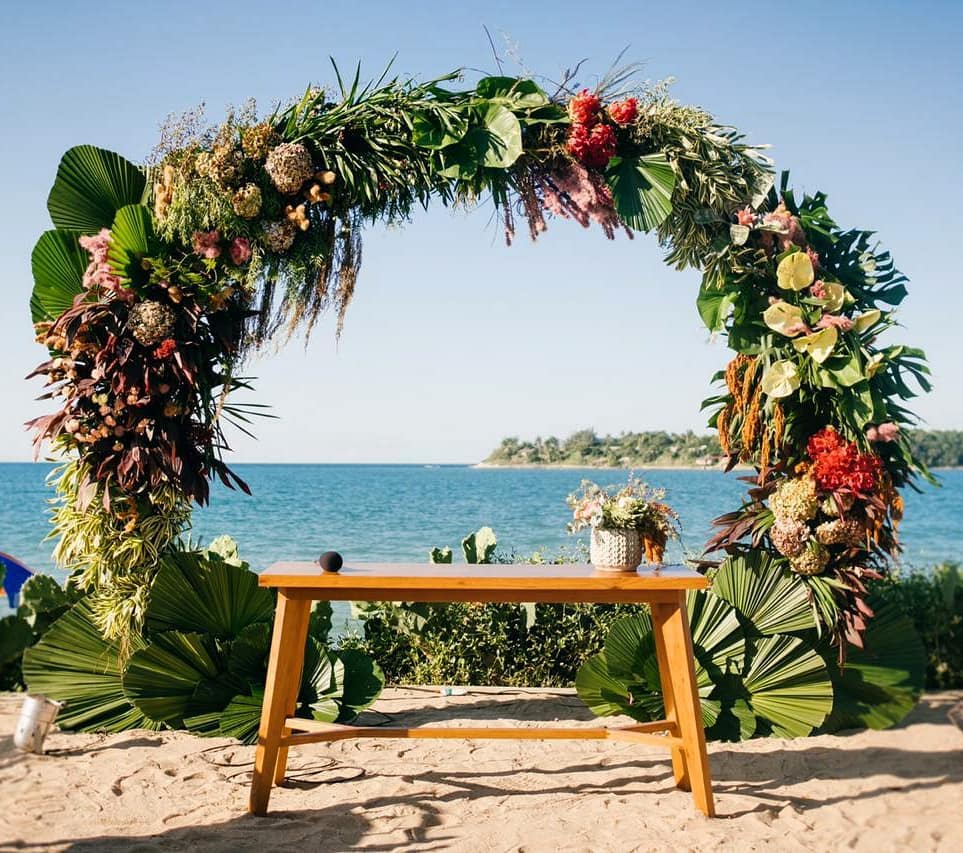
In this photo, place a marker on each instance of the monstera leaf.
(641, 189)
(881, 683)
(58, 263)
(73, 664)
(196, 591)
(91, 186)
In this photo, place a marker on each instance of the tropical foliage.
(156, 281)
(201, 661)
(761, 666)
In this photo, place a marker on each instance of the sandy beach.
(142, 791)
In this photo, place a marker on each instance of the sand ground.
(896, 790)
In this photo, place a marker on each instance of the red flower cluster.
(624, 112)
(838, 464)
(584, 108)
(165, 349)
(590, 141)
(593, 147)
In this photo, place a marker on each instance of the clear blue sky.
(453, 340)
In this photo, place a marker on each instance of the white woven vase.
(615, 550)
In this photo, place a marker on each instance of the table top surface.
(466, 578)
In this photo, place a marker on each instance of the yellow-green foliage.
(113, 551)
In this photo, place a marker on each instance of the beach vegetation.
(200, 662)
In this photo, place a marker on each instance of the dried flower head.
(278, 236)
(789, 537)
(257, 141)
(247, 201)
(812, 560)
(150, 322)
(289, 166)
(795, 499)
(840, 531)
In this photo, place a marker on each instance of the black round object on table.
(330, 561)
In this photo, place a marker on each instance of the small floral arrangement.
(633, 506)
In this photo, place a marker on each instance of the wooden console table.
(664, 589)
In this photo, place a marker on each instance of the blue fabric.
(16, 574)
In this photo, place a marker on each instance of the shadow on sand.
(352, 823)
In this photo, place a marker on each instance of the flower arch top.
(155, 281)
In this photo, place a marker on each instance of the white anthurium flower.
(874, 364)
(784, 318)
(818, 345)
(835, 297)
(867, 320)
(795, 272)
(780, 379)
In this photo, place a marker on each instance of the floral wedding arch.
(156, 280)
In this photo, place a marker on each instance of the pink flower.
(97, 245)
(872, 433)
(240, 251)
(814, 257)
(842, 323)
(818, 289)
(888, 431)
(206, 244)
(797, 329)
(99, 274)
(745, 216)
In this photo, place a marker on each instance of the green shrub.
(489, 644)
(934, 601)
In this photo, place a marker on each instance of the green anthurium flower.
(780, 380)
(835, 296)
(818, 345)
(867, 319)
(795, 272)
(784, 318)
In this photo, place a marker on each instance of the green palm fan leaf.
(607, 695)
(58, 263)
(788, 686)
(642, 189)
(880, 683)
(242, 717)
(92, 184)
(624, 679)
(767, 597)
(194, 591)
(322, 683)
(178, 676)
(73, 664)
(131, 239)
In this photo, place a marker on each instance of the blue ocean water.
(399, 512)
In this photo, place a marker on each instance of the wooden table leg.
(283, 677)
(673, 625)
(679, 769)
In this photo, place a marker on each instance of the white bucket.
(36, 717)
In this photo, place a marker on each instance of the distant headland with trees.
(659, 449)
